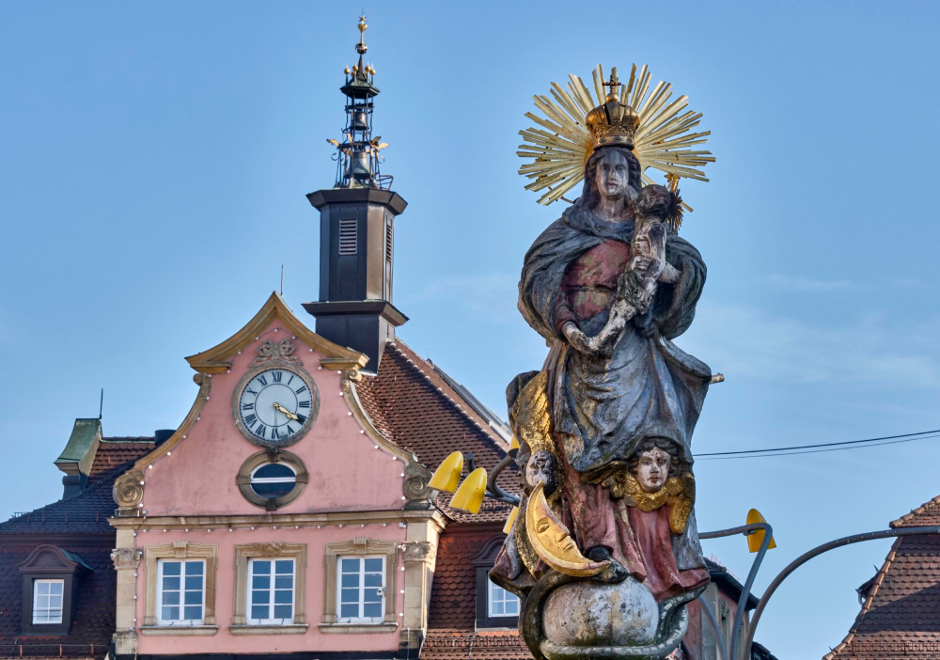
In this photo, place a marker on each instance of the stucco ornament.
(125, 558)
(270, 351)
(128, 490)
(604, 552)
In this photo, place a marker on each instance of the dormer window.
(496, 607)
(51, 579)
(48, 600)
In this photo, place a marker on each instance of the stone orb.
(592, 614)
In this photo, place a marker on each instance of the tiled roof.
(414, 407)
(444, 644)
(452, 619)
(93, 625)
(927, 514)
(113, 452)
(901, 614)
(86, 512)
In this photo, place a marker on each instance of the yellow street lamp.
(447, 475)
(755, 540)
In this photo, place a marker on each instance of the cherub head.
(540, 468)
(654, 461)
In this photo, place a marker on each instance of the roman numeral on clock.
(278, 375)
(248, 406)
(303, 388)
(262, 380)
(304, 404)
(260, 430)
(301, 418)
(250, 420)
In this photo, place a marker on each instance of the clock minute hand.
(286, 412)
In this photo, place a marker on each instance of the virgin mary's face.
(613, 175)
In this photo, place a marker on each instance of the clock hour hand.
(284, 410)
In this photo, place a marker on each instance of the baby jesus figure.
(636, 286)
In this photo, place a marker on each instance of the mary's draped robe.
(603, 408)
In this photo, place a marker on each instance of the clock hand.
(286, 412)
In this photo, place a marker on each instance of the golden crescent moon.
(552, 540)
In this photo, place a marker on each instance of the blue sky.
(154, 161)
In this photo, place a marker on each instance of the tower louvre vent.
(347, 236)
(388, 243)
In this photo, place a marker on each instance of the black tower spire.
(357, 221)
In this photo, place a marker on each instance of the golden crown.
(613, 122)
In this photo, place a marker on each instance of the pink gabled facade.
(188, 500)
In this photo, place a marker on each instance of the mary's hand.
(578, 340)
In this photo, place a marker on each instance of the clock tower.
(357, 221)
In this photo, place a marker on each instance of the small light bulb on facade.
(274, 527)
(169, 453)
(252, 529)
(150, 467)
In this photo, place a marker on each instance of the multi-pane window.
(501, 602)
(181, 591)
(47, 601)
(270, 591)
(361, 586)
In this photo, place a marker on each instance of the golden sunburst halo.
(561, 143)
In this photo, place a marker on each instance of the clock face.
(275, 406)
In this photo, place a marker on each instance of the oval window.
(273, 480)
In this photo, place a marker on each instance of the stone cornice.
(351, 518)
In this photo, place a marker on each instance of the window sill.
(269, 629)
(357, 628)
(165, 631)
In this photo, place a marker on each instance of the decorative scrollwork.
(416, 482)
(272, 549)
(128, 490)
(270, 351)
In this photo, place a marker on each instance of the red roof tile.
(901, 614)
(414, 407)
(113, 452)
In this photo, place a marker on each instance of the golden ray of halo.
(560, 143)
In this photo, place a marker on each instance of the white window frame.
(49, 608)
(182, 592)
(249, 590)
(496, 594)
(362, 587)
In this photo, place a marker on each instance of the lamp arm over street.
(747, 530)
(820, 549)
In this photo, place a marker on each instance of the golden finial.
(346, 71)
(361, 46)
